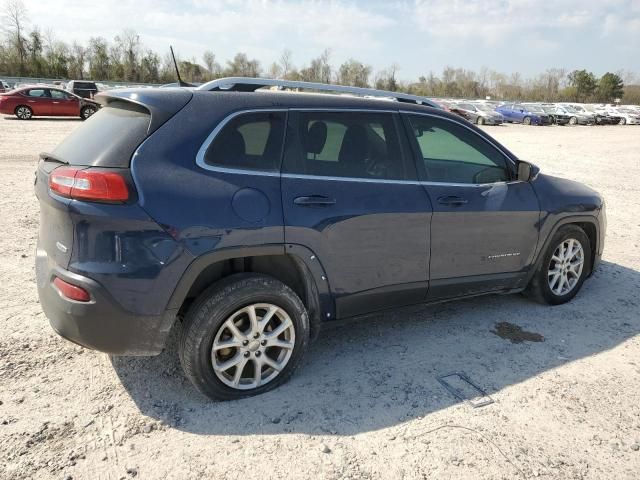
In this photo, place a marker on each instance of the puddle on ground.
(515, 334)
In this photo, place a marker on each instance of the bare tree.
(286, 63)
(14, 23)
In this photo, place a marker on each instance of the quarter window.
(250, 141)
(451, 153)
(344, 144)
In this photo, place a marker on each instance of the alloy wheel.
(565, 267)
(87, 112)
(253, 346)
(23, 113)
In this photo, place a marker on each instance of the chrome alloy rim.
(566, 267)
(87, 112)
(253, 346)
(24, 113)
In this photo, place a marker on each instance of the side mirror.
(527, 171)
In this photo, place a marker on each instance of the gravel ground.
(365, 403)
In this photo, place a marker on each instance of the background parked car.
(602, 116)
(82, 88)
(33, 101)
(556, 117)
(4, 86)
(519, 113)
(480, 114)
(576, 116)
(627, 116)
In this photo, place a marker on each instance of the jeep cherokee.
(250, 217)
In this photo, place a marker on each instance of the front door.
(350, 194)
(484, 226)
(64, 104)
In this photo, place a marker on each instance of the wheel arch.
(293, 265)
(588, 223)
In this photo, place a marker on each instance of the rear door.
(484, 226)
(349, 193)
(39, 100)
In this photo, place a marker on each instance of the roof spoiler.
(246, 84)
(162, 104)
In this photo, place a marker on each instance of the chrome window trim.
(241, 171)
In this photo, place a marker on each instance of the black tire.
(23, 112)
(573, 121)
(86, 112)
(623, 121)
(538, 287)
(213, 308)
(480, 120)
(526, 120)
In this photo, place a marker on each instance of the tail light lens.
(71, 291)
(89, 184)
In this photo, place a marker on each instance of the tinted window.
(344, 144)
(251, 140)
(108, 138)
(59, 95)
(38, 92)
(452, 153)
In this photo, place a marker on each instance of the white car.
(629, 115)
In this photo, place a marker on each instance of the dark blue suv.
(250, 217)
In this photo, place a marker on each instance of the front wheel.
(573, 121)
(527, 120)
(23, 112)
(563, 268)
(244, 336)
(480, 120)
(623, 121)
(87, 111)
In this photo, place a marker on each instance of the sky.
(421, 36)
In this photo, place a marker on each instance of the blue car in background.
(519, 113)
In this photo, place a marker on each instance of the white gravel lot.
(365, 403)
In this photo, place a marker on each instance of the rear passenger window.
(344, 144)
(249, 141)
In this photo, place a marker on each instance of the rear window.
(108, 139)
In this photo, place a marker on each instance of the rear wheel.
(23, 112)
(527, 120)
(87, 111)
(244, 336)
(562, 269)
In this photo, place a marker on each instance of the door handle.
(314, 201)
(452, 201)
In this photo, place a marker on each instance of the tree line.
(30, 52)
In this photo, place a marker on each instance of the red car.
(27, 102)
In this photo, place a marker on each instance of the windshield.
(535, 108)
(572, 109)
(467, 106)
(485, 107)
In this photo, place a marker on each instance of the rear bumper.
(101, 324)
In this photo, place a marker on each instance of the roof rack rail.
(247, 84)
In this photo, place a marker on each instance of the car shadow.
(381, 371)
(42, 119)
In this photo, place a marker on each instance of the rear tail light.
(89, 184)
(70, 291)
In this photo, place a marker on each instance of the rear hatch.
(102, 144)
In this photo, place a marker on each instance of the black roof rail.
(247, 84)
